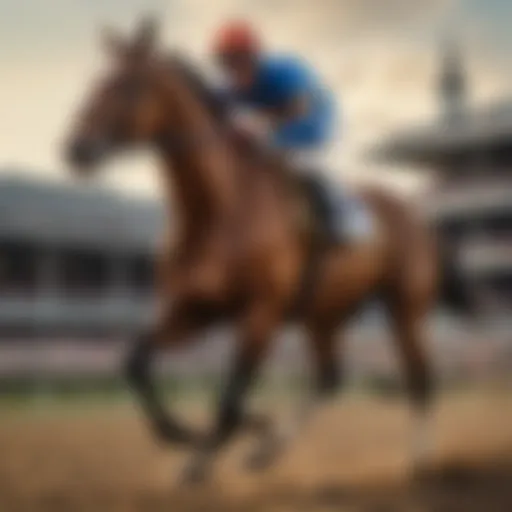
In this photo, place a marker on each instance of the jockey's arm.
(298, 108)
(263, 121)
(299, 127)
(284, 129)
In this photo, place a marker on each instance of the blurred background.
(425, 88)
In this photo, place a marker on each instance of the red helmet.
(236, 37)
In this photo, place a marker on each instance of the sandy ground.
(354, 458)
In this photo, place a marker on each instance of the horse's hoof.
(195, 473)
(168, 432)
(258, 424)
(258, 461)
(262, 458)
(193, 476)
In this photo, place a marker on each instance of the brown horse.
(239, 250)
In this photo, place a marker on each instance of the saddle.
(318, 216)
(323, 211)
(333, 215)
(314, 214)
(313, 225)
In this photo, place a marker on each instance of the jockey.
(289, 108)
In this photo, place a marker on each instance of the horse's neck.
(203, 177)
(189, 197)
(211, 181)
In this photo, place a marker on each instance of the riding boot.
(326, 204)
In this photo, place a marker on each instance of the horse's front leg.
(257, 328)
(173, 330)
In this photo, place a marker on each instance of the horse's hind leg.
(328, 380)
(409, 327)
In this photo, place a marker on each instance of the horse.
(238, 251)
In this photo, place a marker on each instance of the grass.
(26, 393)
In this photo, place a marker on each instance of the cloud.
(378, 55)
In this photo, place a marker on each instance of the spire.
(452, 82)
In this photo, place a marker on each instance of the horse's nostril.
(81, 153)
(76, 152)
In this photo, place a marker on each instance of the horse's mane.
(218, 108)
(200, 87)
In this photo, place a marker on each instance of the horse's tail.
(455, 293)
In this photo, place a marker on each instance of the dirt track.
(352, 459)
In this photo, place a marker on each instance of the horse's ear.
(112, 42)
(146, 34)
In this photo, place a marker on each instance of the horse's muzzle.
(85, 154)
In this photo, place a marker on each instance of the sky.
(381, 57)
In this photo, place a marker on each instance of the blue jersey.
(279, 81)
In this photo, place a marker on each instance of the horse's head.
(127, 106)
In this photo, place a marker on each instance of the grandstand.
(468, 151)
(73, 259)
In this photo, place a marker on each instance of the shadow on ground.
(485, 488)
